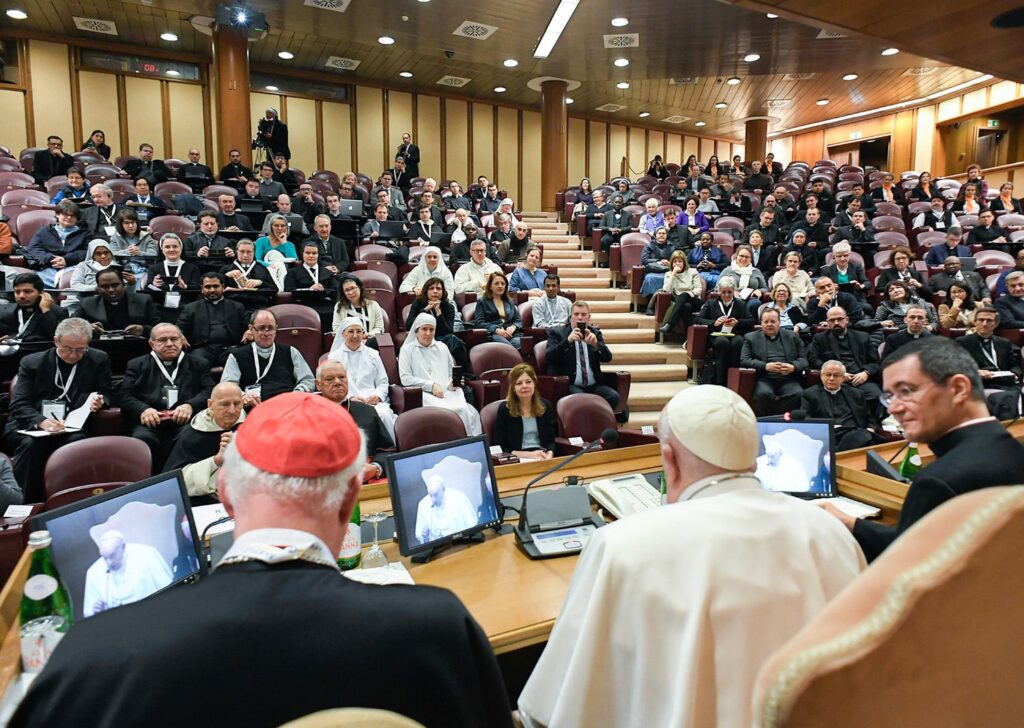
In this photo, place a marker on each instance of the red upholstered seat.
(171, 224)
(427, 426)
(105, 459)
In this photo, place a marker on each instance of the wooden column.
(755, 140)
(554, 144)
(235, 128)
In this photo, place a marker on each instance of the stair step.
(653, 395)
(608, 306)
(597, 294)
(624, 320)
(628, 336)
(576, 282)
(656, 372)
(640, 418)
(625, 354)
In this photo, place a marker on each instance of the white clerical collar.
(969, 423)
(719, 484)
(274, 545)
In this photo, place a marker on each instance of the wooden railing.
(995, 176)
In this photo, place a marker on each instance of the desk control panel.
(564, 540)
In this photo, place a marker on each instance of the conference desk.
(514, 598)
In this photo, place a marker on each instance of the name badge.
(726, 328)
(254, 390)
(172, 299)
(55, 409)
(170, 397)
(110, 230)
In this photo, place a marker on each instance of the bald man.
(195, 174)
(199, 448)
(692, 661)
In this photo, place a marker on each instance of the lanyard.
(314, 273)
(725, 313)
(256, 362)
(58, 379)
(245, 271)
(173, 375)
(989, 350)
(109, 218)
(23, 324)
(171, 279)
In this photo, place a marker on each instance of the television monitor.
(797, 457)
(124, 545)
(442, 492)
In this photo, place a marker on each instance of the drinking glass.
(375, 556)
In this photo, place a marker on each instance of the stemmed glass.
(375, 556)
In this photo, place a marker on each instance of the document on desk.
(853, 508)
(74, 422)
(205, 515)
(394, 573)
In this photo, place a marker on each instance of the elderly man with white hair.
(839, 400)
(291, 514)
(426, 363)
(124, 573)
(658, 627)
(367, 378)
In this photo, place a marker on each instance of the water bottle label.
(915, 459)
(353, 542)
(40, 586)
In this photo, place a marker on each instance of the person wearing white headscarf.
(367, 378)
(427, 364)
(431, 265)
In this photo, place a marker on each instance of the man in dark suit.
(836, 400)
(866, 203)
(490, 201)
(52, 161)
(827, 297)
(780, 360)
(161, 391)
(50, 385)
(411, 153)
(194, 173)
(766, 226)
(757, 181)
(815, 228)
(730, 319)
(212, 324)
(154, 170)
(916, 321)
(400, 176)
(1011, 306)
(766, 258)
(100, 220)
(116, 309)
(992, 353)
(33, 318)
(952, 273)
(205, 241)
(333, 250)
(234, 170)
(848, 275)
(616, 223)
(826, 202)
(249, 281)
(858, 233)
(854, 349)
(577, 351)
(935, 393)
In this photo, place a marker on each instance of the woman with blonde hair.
(525, 422)
(684, 283)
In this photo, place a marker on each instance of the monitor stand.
(425, 556)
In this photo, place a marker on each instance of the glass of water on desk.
(375, 556)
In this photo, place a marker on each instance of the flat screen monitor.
(441, 492)
(796, 457)
(124, 545)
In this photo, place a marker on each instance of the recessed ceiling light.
(822, 102)
(570, 100)
(620, 22)
(732, 81)
(644, 114)
(17, 14)
(890, 51)
(500, 89)
(272, 88)
(510, 63)
(771, 16)
(405, 74)
(622, 84)
(173, 72)
(169, 37)
(423, 1)
(286, 55)
(751, 57)
(850, 77)
(386, 40)
(621, 62)
(700, 123)
(721, 105)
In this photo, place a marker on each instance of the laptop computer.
(390, 229)
(193, 173)
(968, 263)
(351, 208)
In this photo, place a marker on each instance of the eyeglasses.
(264, 329)
(72, 349)
(906, 393)
(168, 340)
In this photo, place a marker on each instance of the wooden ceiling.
(701, 41)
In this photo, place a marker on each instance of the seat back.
(381, 287)
(182, 226)
(493, 355)
(883, 223)
(30, 198)
(98, 174)
(30, 222)
(105, 459)
(167, 190)
(994, 257)
(427, 426)
(73, 495)
(889, 632)
(212, 192)
(16, 180)
(488, 416)
(584, 415)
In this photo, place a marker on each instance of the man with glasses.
(213, 323)
(394, 196)
(998, 359)
(264, 368)
(162, 390)
(917, 327)
(835, 399)
(154, 170)
(854, 349)
(52, 161)
(116, 308)
(194, 173)
(304, 204)
(50, 385)
(933, 389)
(1011, 306)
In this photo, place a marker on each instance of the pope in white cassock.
(124, 573)
(778, 470)
(672, 611)
(367, 378)
(426, 363)
(442, 511)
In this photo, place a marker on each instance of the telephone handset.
(624, 495)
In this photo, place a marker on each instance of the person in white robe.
(427, 364)
(442, 511)
(430, 265)
(672, 611)
(124, 573)
(778, 470)
(367, 378)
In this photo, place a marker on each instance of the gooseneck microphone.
(609, 437)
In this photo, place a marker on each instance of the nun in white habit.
(427, 364)
(367, 378)
(430, 265)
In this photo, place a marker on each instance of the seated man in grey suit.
(778, 356)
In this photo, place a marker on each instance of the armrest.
(553, 388)
(636, 279)
(473, 337)
(662, 301)
(742, 382)
(1014, 335)
(614, 256)
(697, 341)
(563, 447)
(629, 438)
(404, 398)
(595, 240)
(109, 421)
(620, 382)
(813, 377)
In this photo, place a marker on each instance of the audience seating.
(89, 461)
(427, 426)
(587, 416)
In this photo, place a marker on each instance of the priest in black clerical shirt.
(855, 349)
(234, 170)
(212, 324)
(117, 309)
(205, 241)
(332, 383)
(194, 173)
(845, 405)
(161, 391)
(248, 281)
(998, 359)
(34, 317)
(153, 169)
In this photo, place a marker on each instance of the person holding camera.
(272, 136)
(577, 351)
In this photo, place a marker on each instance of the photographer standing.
(272, 136)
